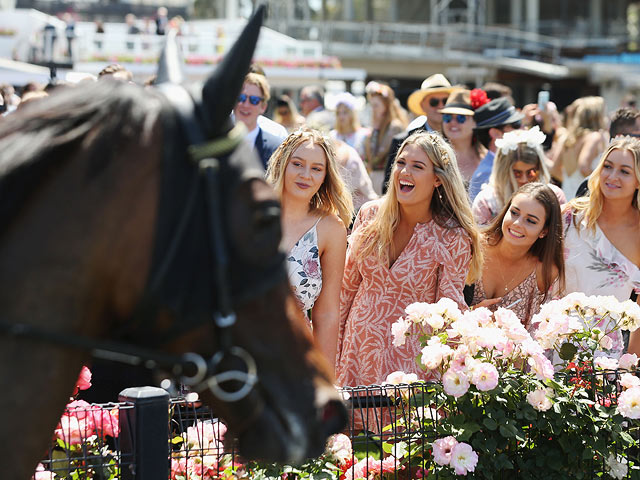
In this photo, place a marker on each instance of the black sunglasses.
(434, 102)
(447, 117)
(253, 99)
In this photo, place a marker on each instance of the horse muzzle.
(283, 434)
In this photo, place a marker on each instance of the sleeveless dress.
(305, 272)
(527, 295)
(595, 266)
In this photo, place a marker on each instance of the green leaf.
(568, 351)
(490, 423)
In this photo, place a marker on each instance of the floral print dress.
(304, 269)
(595, 267)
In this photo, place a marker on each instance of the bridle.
(209, 161)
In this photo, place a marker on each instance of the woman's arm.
(591, 148)
(556, 158)
(454, 269)
(332, 239)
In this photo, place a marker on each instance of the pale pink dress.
(433, 265)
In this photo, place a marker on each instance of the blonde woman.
(602, 251)
(418, 243)
(316, 208)
(387, 120)
(348, 127)
(580, 147)
(519, 160)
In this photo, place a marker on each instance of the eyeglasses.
(531, 174)
(253, 99)
(447, 117)
(434, 102)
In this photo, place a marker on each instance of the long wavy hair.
(333, 196)
(591, 207)
(549, 250)
(502, 179)
(449, 205)
(588, 115)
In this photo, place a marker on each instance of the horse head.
(263, 374)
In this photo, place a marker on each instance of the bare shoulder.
(330, 230)
(331, 225)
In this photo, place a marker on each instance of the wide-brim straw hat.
(458, 103)
(437, 83)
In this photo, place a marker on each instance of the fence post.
(144, 433)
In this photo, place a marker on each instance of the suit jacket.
(266, 144)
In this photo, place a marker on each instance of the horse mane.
(99, 117)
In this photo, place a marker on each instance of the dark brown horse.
(111, 230)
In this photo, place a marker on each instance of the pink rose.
(42, 474)
(442, 449)
(485, 377)
(463, 459)
(455, 383)
(628, 361)
(310, 266)
(84, 380)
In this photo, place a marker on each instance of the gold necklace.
(506, 284)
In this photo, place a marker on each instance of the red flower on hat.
(478, 98)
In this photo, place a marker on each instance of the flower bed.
(497, 408)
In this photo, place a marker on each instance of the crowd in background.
(462, 195)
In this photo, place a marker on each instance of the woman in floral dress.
(602, 232)
(415, 244)
(316, 208)
(524, 254)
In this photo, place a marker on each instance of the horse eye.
(265, 217)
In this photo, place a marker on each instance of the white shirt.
(274, 128)
(251, 136)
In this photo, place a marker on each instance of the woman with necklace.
(602, 232)
(415, 244)
(316, 207)
(523, 255)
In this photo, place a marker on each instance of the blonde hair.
(587, 115)
(502, 179)
(261, 82)
(333, 196)
(354, 124)
(449, 207)
(591, 206)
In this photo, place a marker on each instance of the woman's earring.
(439, 195)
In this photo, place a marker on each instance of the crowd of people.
(464, 195)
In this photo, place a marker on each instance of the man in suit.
(312, 107)
(252, 102)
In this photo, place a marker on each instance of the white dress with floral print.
(595, 267)
(305, 272)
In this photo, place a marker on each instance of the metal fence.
(129, 440)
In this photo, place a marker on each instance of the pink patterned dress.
(433, 265)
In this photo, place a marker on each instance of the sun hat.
(344, 98)
(496, 113)
(437, 83)
(459, 102)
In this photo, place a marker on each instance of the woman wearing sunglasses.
(519, 160)
(457, 127)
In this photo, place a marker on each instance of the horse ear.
(220, 91)
(170, 65)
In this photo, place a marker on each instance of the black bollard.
(144, 433)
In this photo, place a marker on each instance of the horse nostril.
(334, 417)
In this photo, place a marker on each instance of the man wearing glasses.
(493, 120)
(251, 103)
(312, 107)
